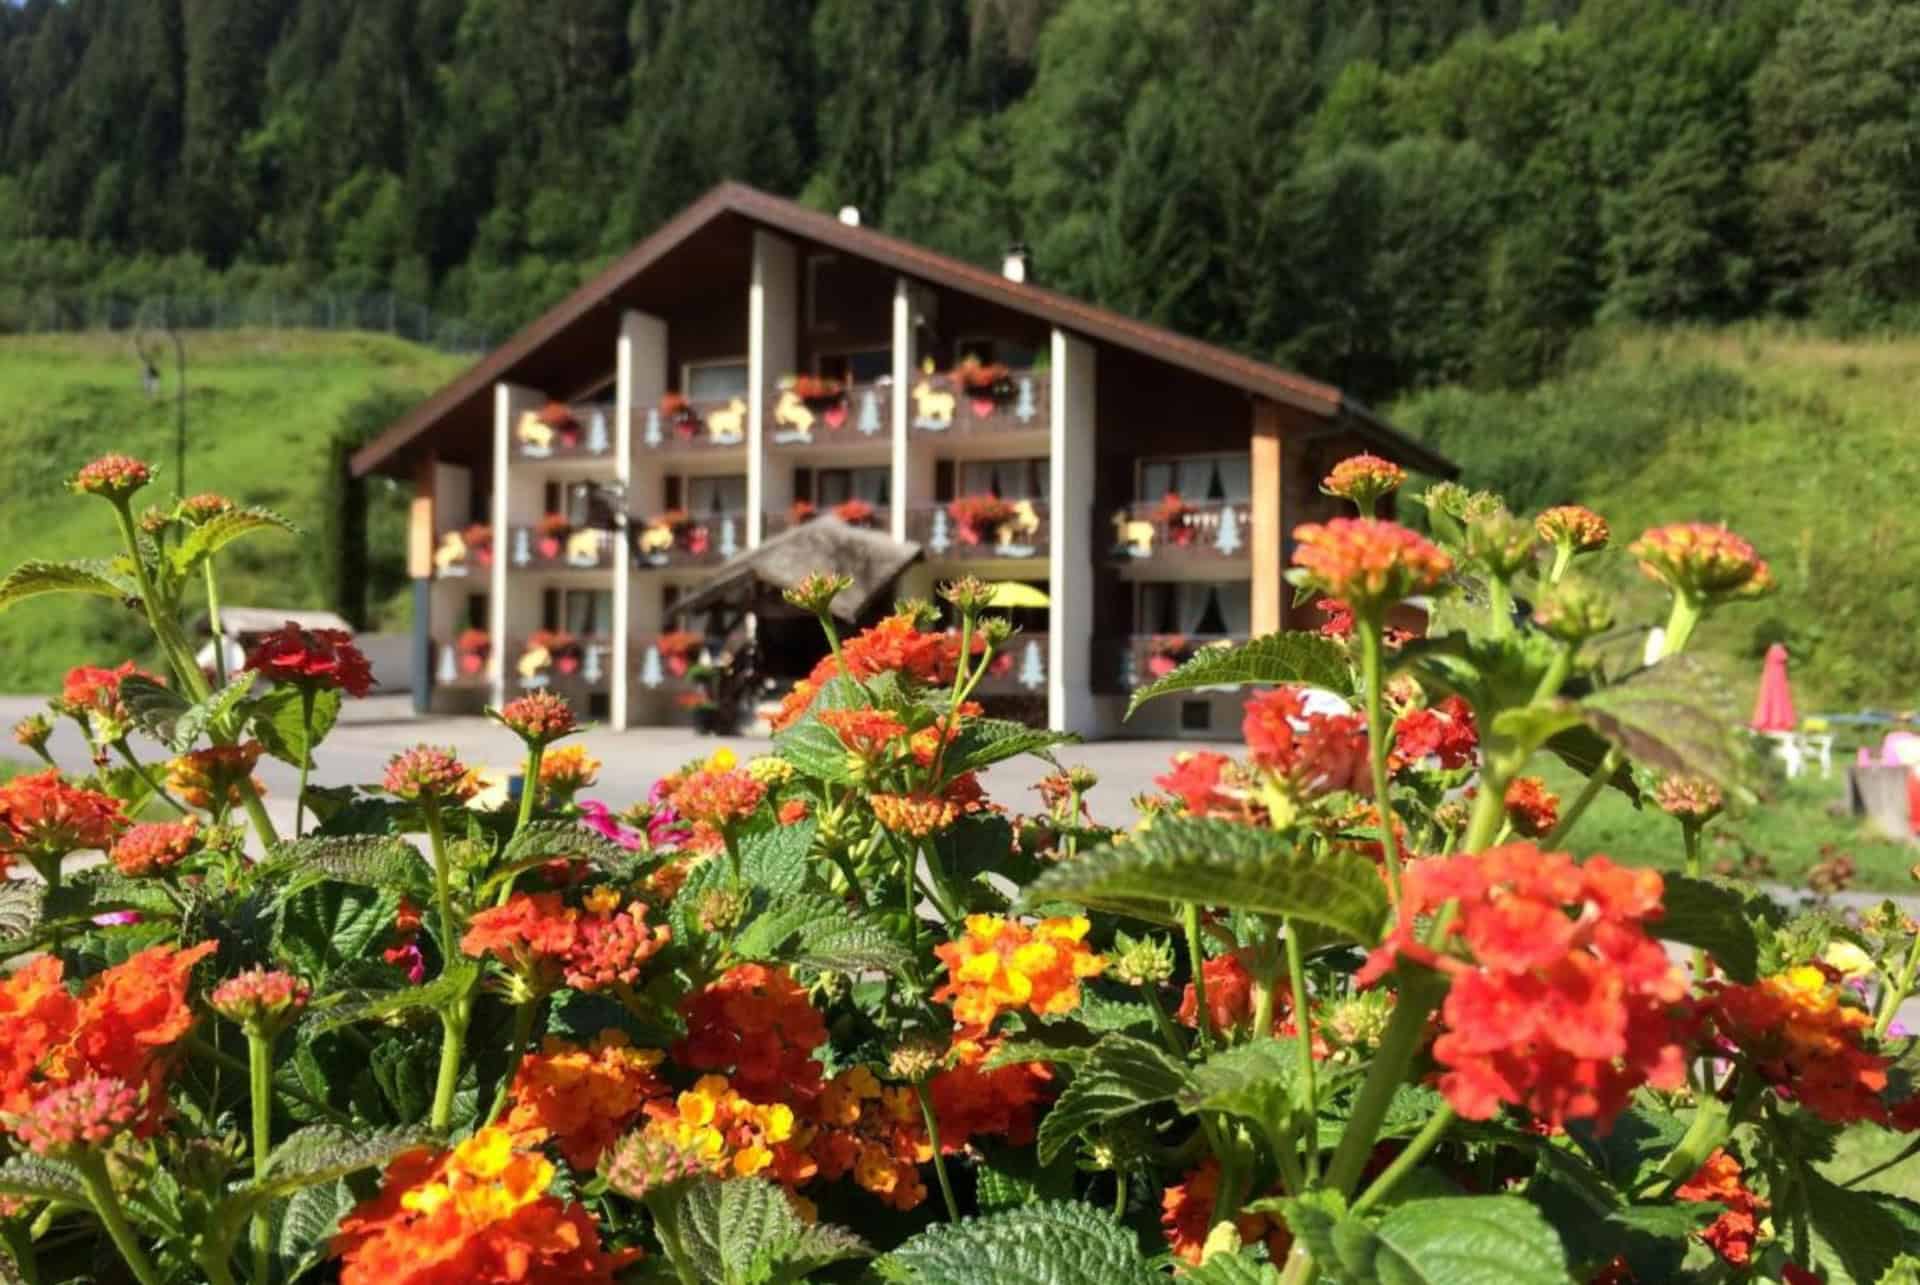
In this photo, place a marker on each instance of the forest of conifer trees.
(1386, 192)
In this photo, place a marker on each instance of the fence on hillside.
(52, 312)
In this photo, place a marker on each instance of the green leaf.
(156, 709)
(34, 1178)
(1583, 749)
(1098, 1013)
(1120, 1076)
(988, 741)
(1219, 863)
(277, 722)
(747, 1230)
(348, 1008)
(764, 938)
(323, 928)
(1231, 1269)
(100, 889)
(1697, 913)
(19, 913)
(214, 713)
(1254, 1080)
(555, 840)
(1855, 1237)
(1456, 1240)
(852, 946)
(1057, 1243)
(85, 575)
(303, 1233)
(369, 861)
(217, 532)
(815, 751)
(1012, 1178)
(1296, 657)
(1658, 716)
(324, 1152)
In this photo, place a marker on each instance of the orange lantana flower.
(1796, 1032)
(1366, 563)
(875, 1131)
(756, 1021)
(583, 1098)
(1001, 964)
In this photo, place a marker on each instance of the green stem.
(306, 757)
(1562, 559)
(937, 887)
(524, 1014)
(1897, 993)
(442, 886)
(954, 697)
(939, 1161)
(145, 773)
(839, 657)
(1303, 1025)
(213, 624)
(453, 1021)
(1169, 1033)
(1609, 765)
(106, 1206)
(1378, 733)
(1499, 608)
(529, 787)
(1196, 962)
(212, 1053)
(1556, 675)
(1681, 620)
(17, 1242)
(257, 813)
(1403, 1164)
(260, 1088)
(1420, 992)
(1119, 1193)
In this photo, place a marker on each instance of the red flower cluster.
(1689, 799)
(1733, 1233)
(583, 1098)
(867, 733)
(91, 692)
(971, 1101)
(1187, 1215)
(1229, 995)
(1563, 1014)
(428, 772)
(1702, 562)
(539, 718)
(196, 509)
(1363, 479)
(1794, 1030)
(1002, 964)
(896, 645)
(721, 798)
(82, 1114)
(316, 658)
(114, 476)
(42, 818)
(757, 1022)
(544, 942)
(120, 1027)
(1446, 732)
(260, 1000)
(1316, 753)
(1532, 809)
(1203, 780)
(916, 815)
(156, 845)
(1367, 563)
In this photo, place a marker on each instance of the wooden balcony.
(679, 540)
(562, 432)
(1124, 664)
(858, 415)
(692, 426)
(875, 519)
(464, 553)
(583, 548)
(460, 665)
(948, 403)
(569, 665)
(1020, 669)
(1194, 531)
(1015, 529)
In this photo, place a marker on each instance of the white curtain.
(589, 612)
(872, 484)
(713, 496)
(1198, 478)
(716, 382)
(1236, 477)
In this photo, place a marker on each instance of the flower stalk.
(939, 1160)
(1378, 733)
(92, 1168)
(260, 1089)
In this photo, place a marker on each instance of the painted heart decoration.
(835, 415)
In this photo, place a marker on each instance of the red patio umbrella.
(1773, 708)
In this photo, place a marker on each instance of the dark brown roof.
(872, 560)
(469, 390)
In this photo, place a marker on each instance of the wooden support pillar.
(421, 519)
(1267, 542)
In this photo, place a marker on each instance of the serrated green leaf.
(1697, 913)
(770, 931)
(1855, 1237)
(1584, 750)
(1231, 1269)
(1056, 1243)
(323, 1152)
(221, 530)
(156, 709)
(370, 861)
(101, 889)
(553, 840)
(1658, 716)
(852, 946)
(1120, 1076)
(1219, 863)
(1254, 1080)
(815, 751)
(347, 1008)
(1058, 1042)
(1098, 1013)
(1294, 657)
(303, 1233)
(987, 741)
(216, 712)
(1460, 1240)
(83, 575)
(323, 928)
(19, 912)
(34, 1178)
(747, 1230)
(276, 721)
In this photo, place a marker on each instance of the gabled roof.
(873, 560)
(780, 215)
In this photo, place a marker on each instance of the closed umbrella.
(1773, 708)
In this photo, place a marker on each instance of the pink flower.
(598, 817)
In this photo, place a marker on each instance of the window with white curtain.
(588, 612)
(1201, 609)
(715, 381)
(1198, 478)
(836, 485)
(716, 496)
(1023, 479)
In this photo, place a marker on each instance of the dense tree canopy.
(1387, 192)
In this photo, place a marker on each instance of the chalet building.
(754, 363)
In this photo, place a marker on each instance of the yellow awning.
(1017, 593)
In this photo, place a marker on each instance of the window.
(862, 366)
(1011, 355)
(576, 501)
(715, 381)
(835, 485)
(1201, 609)
(477, 611)
(584, 613)
(716, 496)
(1198, 478)
(1009, 479)
(1196, 716)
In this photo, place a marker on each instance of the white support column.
(641, 379)
(518, 499)
(773, 317)
(899, 488)
(1070, 704)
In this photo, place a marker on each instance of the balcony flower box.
(677, 414)
(987, 385)
(854, 512)
(1165, 653)
(552, 426)
(677, 649)
(550, 535)
(472, 648)
(1175, 517)
(460, 551)
(976, 516)
(801, 511)
(548, 649)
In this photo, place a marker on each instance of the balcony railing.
(971, 528)
(583, 548)
(1012, 401)
(561, 432)
(856, 415)
(461, 663)
(465, 552)
(680, 540)
(874, 517)
(693, 426)
(671, 661)
(1189, 530)
(1124, 664)
(566, 663)
(1019, 670)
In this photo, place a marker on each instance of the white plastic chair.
(1788, 749)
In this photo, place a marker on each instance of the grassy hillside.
(1804, 445)
(262, 408)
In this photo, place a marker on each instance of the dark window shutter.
(943, 480)
(803, 484)
(550, 608)
(673, 490)
(476, 611)
(552, 498)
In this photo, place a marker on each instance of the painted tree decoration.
(652, 435)
(591, 668)
(869, 422)
(522, 548)
(941, 538)
(729, 545)
(651, 674)
(1033, 670)
(1228, 540)
(449, 670)
(597, 433)
(1024, 410)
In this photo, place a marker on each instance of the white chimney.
(850, 215)
(1014, 266)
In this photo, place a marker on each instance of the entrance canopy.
(825, 544)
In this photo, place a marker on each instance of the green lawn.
(262, 406)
